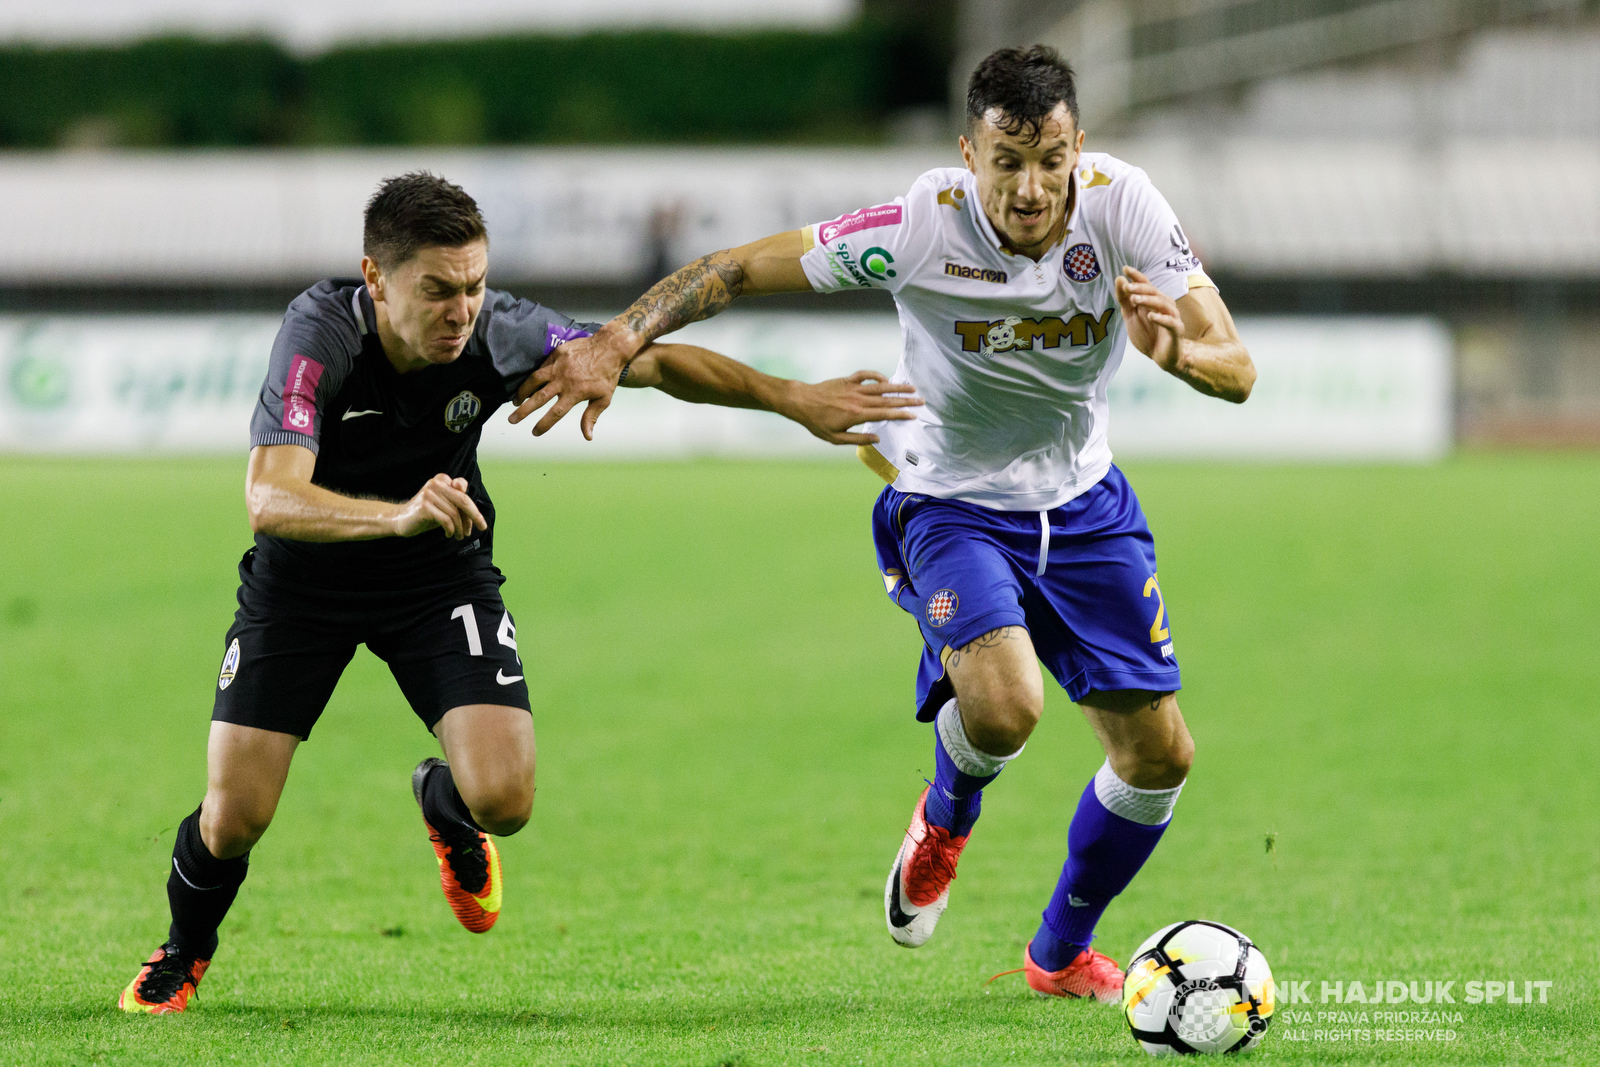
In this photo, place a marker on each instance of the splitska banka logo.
(875, 261)
(1008, 334)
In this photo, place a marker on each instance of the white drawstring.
(1044, 542)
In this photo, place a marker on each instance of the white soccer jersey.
(1012, 357)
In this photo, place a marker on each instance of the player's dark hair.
(1026, 84)
(417, 211)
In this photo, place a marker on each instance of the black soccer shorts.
(447, 645)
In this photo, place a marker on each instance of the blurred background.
(1399, 198)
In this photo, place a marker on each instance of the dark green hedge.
(646, 86)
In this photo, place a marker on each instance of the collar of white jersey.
(986, 227)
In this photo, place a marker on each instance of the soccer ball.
(1198, 986)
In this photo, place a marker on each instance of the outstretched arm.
(586, 369)
(1193, 338)
(828, 409)
(283, 502)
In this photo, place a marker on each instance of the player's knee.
(1159, 766)
(503, 811)
(502, 822)
(231, 827)
(1176, 760)
(1000, 721)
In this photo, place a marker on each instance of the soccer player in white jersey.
(1006, 530)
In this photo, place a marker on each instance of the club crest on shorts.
(459, 413)
(942, 607)
(1081, 264)
(230, 666)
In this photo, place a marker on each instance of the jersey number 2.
(1157, 631)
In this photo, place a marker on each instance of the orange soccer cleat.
(469, 864)
(1092, 974)
(165, 983)
(919, 883)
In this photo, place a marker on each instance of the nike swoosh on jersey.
(504, 679)
(357, 414)
(897, 917)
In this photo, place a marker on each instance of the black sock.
(200, 890)
(441, 801)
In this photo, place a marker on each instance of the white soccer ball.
(1198, 986)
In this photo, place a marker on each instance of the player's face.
(1023, 185)
(432, 300)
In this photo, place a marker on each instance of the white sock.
(1152, 807)
(967, 757)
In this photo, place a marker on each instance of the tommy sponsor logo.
(977, 274)
(1004, 335)
(942, 607)
(1080, 263)
(865, 219)
(459, 413)
(300, 394)
(556, 336)
(230, 666)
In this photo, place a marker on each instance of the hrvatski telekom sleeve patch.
(300, 394)
(865, 219)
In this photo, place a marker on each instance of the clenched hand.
(443, 502)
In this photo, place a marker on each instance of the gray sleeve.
(521, 334)
(310, 358)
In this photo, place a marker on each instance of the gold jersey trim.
(877, 464)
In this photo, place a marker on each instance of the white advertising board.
(1329, 388)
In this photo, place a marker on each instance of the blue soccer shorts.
(1081, 578)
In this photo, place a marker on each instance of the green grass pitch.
(1393, 670)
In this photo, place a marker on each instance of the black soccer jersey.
(381, 434)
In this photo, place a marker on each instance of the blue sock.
(1104, 852)
(956, 797)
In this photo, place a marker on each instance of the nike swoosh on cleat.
(504, 679)
(897, 917)
(357, 414)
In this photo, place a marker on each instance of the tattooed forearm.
(992, 639)
(698, 291)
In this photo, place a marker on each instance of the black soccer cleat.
(469, 864)
(165, 983)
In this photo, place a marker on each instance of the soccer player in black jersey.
(372, 526)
